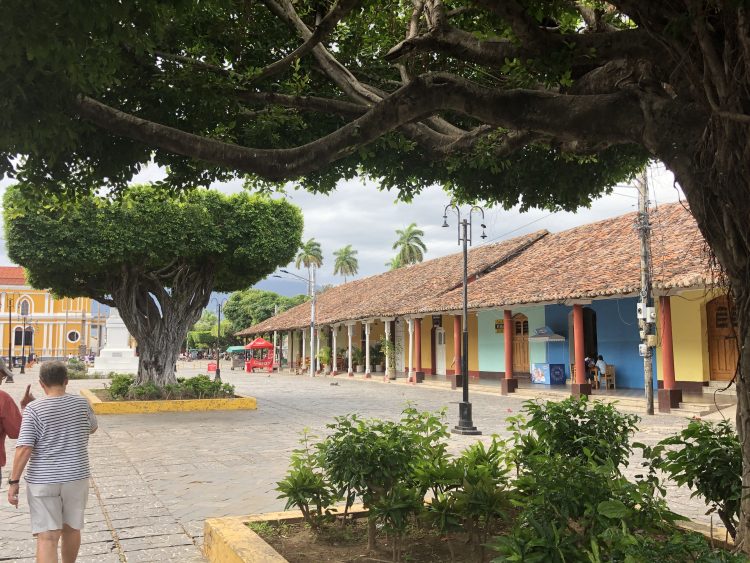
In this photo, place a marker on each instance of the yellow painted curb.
(230, 540)
(185, 405)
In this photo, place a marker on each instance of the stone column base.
(669, 399)
(578, 389)
(419, 375)
(351, 374)
(368, 375)
(456, 380)
(508, 386)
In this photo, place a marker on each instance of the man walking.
(53, 440)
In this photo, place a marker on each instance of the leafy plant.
(324, 355)
(574, 427)
(306, 485)
(77, 369)
(708, 459)
(358, 357)
(119, 385)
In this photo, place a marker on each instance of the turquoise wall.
(492, 344)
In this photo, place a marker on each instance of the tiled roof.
(12, 275)
(396, 292)
(594, 260)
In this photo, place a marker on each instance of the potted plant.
(389, 350)
(324, 355)
(358, 359)
(377, 357)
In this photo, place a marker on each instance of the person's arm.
(93, 423)
(23, 453)
(10, 416)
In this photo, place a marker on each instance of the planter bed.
(283, 537)
(102, 404)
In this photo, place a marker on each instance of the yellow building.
(34, 322)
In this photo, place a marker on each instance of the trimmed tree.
(156, 258)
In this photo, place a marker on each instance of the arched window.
(24, 308)
(23, 340)
(18, 336)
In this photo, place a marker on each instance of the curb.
(153, 407)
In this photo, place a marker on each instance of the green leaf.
(613, 509)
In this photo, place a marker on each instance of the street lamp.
(219, 305)
(23, 346)
(465, 424)
(9, 304)
(311, 282)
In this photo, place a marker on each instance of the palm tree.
(310, 256)
(346, 262)
(395, 263)
(410, 247)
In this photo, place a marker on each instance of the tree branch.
(611, 119)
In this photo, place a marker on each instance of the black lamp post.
(23, 346)
(219, 304)
(9, 304)
(465, 424)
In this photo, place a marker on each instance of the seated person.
(600, 365)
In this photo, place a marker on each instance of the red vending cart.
(259, 355)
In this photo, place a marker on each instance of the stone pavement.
(157, 477)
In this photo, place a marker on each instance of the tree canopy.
(248, 307)
(346, 263)
(410, 246)
(155, 257)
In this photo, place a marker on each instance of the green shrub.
(122, 387)
(306, 485)
(77, 369)
(708, 459)
(576, 428)
(119, 385)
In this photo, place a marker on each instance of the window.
(20, 340)
(74, 336)
(24, 308)
(722, 317)
(18, 336)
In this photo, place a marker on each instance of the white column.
(367, 349)
(411, 350)
(275, 359)
(349, 330)
(304, 347)
(334, 333)
(387, 350)
(317, 349)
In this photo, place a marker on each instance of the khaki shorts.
(54, 504)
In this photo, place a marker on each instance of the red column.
(667, 352)
(418, 347)
(508, 334)
(580, 355)
(457, 344)
(669, 397)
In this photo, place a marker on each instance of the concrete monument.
(116, 356)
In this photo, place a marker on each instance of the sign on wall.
(437, 321)
(499, 325)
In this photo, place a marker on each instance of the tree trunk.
(158, 317)
(716, 182)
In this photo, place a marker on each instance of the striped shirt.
(57, 428)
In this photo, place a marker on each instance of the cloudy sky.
(357, 213)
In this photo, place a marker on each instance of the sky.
(357, 213)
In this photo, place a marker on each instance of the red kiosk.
(260, 355)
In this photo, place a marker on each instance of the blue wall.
(617, 338)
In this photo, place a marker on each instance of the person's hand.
(13, 494)
(27, 397)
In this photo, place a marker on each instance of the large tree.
(543, 102)
(154, 257)
(346, 263)
(410, 246)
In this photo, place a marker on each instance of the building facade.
(32, 321)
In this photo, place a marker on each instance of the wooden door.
(722, 339)
(440, 351)
(520, 344)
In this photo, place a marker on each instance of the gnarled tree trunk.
(159, 317)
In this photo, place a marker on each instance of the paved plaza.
(156, 478)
